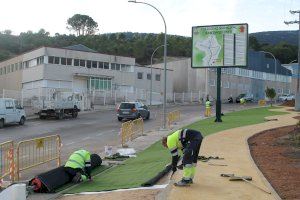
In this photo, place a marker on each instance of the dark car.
(132, 110)
(247, 97)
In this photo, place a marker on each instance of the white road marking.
(70, 143)
(86, 138)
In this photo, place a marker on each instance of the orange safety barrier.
(173, 117)
(262, 102)
(37, 151)
(131, 130)
(7, 164)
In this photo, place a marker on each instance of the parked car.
(11, 112)
(247, 97)
(132, 110)
(285, 97)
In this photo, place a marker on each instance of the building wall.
(157, 85)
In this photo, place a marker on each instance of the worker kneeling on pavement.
(78, 166)
(188, 141)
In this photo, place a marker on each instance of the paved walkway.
(231, 145)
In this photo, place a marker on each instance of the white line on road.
(86, 138)
(70, 143)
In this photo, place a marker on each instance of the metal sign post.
(219, 46)
(218, 103)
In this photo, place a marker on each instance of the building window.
(82, 63)
(40, 60)
(118, 67)
(106, 65)
(100, 65)
(69, 61)
(56, 60)
(76, 62)
(157, 77)
(63, 61)
(113, 66)
(94, 64)
(96, 83)
(20, 66)
(51, 59)
(212, 83)
(140, 75)
(149, 76)
(88, 64)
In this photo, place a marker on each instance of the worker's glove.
(180, 167)
(174, 169)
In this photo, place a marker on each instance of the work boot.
(183, 183)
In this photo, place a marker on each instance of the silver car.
(132, 110)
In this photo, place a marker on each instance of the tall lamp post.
(165, 61)
(266, 52)
(151, 80)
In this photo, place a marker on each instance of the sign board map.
(220, 46)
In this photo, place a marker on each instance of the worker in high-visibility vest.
(188, 142)
(78, 166)
(242, 101)
(207, 108)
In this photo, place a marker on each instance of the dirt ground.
(278, 157)
(124, 195)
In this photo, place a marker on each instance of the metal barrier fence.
(131, 130)
(7, 160)
(173, 117)
(262, 102)
(37, 151)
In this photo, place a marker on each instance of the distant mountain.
(275, 37)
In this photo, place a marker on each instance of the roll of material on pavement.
(156, 178)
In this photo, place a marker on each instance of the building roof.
(80, 47)
(258, 61)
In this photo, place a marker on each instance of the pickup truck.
(11, 112)
(59, 106)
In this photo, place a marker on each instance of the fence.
(30, 98)
(262, 102)
(7, 160)
(131, 130)
(37, 151)
(173, 117)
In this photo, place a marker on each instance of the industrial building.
(253, 79)
(75, 68)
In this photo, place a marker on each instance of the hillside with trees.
(137, 45)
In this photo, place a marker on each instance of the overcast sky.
(121, 16)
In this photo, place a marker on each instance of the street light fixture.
(165, 62)
(151, 81)
(266, 52)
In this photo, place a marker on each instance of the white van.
(11, 112)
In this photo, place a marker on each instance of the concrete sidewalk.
(231, 145)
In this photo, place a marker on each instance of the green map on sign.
(217, 45)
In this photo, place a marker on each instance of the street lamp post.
(275, 62)
(165, 62)
(151, 81)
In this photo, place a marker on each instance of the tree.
(270, 93)
(82, 24)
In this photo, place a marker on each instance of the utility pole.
(297, 97)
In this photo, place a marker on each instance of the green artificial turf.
(234, 119)
(149, 162)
